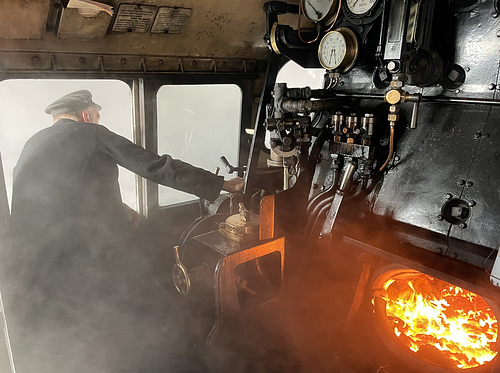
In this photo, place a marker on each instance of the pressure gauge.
(338, 49)
(360, 7)
(320, 10)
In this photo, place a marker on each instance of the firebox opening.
(438, 321)
(259, 280)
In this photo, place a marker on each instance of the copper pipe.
(391, 148)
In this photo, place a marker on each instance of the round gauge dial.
(338, 49)
(332, 50)
(318, 10)
(359, 7)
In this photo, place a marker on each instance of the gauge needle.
(313, 8)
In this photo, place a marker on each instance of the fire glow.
(439, 321)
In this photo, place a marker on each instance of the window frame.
(144, 88)
(246, 84)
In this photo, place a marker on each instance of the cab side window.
(198, 124)
(23, 104)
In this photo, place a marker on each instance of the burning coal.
(433, 317)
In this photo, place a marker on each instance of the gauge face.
(316, 10)
(359, 7)
(332, 50)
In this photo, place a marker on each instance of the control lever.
(337, 199)
(230, 169)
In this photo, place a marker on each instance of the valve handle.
(180, 274)
(230, 169)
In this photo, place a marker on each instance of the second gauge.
(338, 50)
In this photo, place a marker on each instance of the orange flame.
(435, 318)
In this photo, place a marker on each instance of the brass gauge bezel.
(349, 6)
(329, 16)
(273, 40)
(351, 52)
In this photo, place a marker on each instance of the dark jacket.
(78, 297)
(68, 173)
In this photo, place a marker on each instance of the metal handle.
(346, 178)
(180, 274)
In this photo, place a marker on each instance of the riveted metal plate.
(25, 61)
(162, 64)
(77, 62)
(122, 63)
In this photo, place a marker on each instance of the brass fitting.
(393, 113)
(394, 96)
(393, 117)
(393, 109)
(396, 84)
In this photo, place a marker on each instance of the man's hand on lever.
(234, 185)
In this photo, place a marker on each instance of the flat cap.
(72, 102)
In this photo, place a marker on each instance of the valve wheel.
(181, 279)
(180, 274)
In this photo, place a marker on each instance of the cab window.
(198, 124)
(23, 103)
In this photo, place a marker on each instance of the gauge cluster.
(341, 27)
(389, 38)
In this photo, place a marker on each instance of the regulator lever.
(230, 169)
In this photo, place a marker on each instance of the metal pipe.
(391, 149)
(432, 99)
(291, 106)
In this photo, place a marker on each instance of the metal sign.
(134, 18)
(171, 20)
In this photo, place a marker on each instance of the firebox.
(441, 323)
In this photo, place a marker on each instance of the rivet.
(160, 62)
(471, 203)
(462, 225)
(82, 60)
(461, 182)
(123, 61)
(448, 196)
(35, 59)
(469, 183)
(439, 217)
(491, 86)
